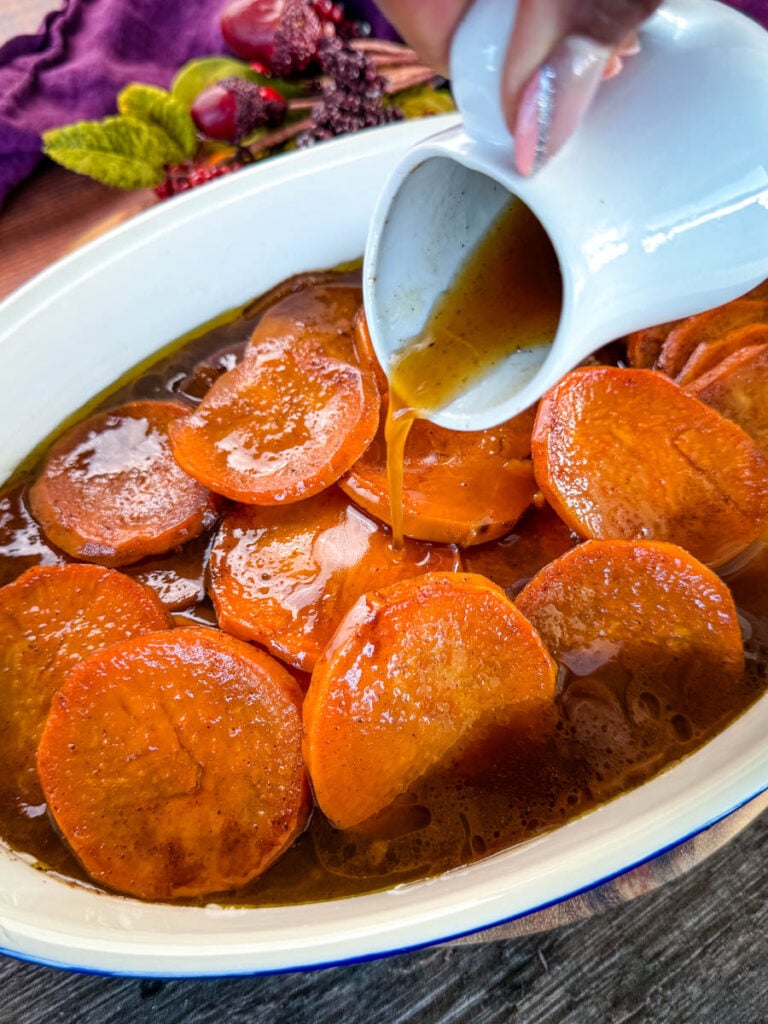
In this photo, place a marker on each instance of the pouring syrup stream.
(506, 298)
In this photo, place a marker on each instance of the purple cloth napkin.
(82, 56)
(74, 66)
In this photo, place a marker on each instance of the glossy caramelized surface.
(495, 788)
(285, 577)
(457, 487)
(78, 497)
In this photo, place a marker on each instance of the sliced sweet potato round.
(628, 454)
(286, 577)
(760, 291)
(644, 347)
(706, 327)
(738, 389)
(281, 426)
(111, 492)
(365, 350)
(652, 642)
(318, 318)
(458, 487)
(412, 670)
(51, 618)
(299, 283)
(706, 356)
(172, 764)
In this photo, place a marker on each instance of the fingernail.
(630, 47)
(555, 99)
(613, 67)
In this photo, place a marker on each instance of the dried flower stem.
(381, 60)
(281, 135)
(407, 77)
(382, 47)
(304, 102)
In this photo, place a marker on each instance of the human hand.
(557, 55)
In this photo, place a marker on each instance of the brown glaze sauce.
(497, 790)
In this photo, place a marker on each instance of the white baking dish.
(79, 326)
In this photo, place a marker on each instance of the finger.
(427, 27)
(539, 27)
(628, 48)
(557, 56)
(555, 99)
(608, 21)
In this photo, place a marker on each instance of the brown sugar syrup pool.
(501, 788)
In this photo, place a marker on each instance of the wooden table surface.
(693, 950)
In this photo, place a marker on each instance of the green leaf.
(423, 101)
(118, 151)
(198, 74)
(161, 111)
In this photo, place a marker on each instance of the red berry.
(165, 189)
(327, 10)
(207, 172)
(354, 29)
(275, 105)
(249, 26)
(215, 113)
(282, 34)
(183, 177)
(233, 108)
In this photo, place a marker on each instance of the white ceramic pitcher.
(657, 208)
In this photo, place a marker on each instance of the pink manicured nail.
(555, 99)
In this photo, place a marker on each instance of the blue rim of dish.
(384, 954)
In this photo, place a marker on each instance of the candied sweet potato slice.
(285, 577)
(738, 389)
(644, 347)
(111, 492)
(298, 283)
(412, 670)
(51, 618)
(651, 639)
(760, 291)
(281, 426)
(707, 355)
(172, 763)
(706, 327)
(318, 318)
(628, 454)
(364, 346)
(458, 487)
